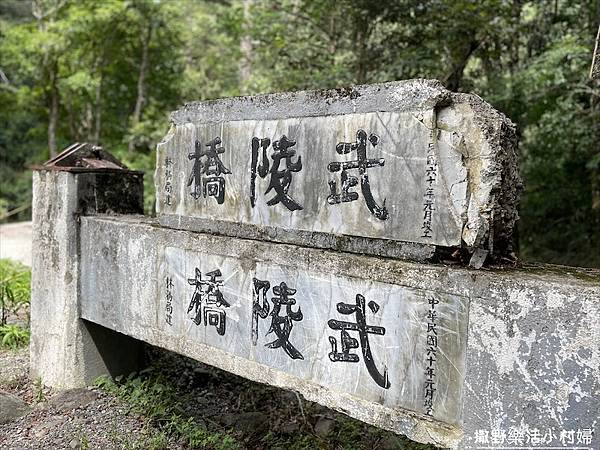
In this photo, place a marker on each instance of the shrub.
(15, 294)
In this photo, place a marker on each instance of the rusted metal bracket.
(85, 157)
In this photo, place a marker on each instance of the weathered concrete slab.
(527, 359)
(387, 367)
(407, 164)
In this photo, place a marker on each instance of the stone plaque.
(397, 346)
(406, 162)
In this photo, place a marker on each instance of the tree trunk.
(515, 43)
(594, 107)
(49, 69)
(141, 84)
(245, 69)
(74, 135)
(98, 114)
(454, 78)
(98, 110)
(361, 70)
(53, 111)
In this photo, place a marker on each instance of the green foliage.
(15, 293)
(3, 206)
(149, 440)
(38, 387)
(150, 395)
(13, 336)
(82, 438)
(15, 288)
(529, 59)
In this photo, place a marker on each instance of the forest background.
(110, 71)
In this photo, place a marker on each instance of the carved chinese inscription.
(281, 324)
(373, 340)
(206, 177)
(362, 164)
(207, 303)
(280, 178)
(349, 343)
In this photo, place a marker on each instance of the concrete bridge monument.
(352, 245)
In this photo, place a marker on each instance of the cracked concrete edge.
(417, 94)
(494, 181)
(354, 244)
(398, 420)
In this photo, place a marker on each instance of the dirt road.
(15, 242)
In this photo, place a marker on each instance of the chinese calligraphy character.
(431, 174)
(169, 298)
(260, 305)
(516, 436)
(280, 179)
(535, 436)
(567, 437)
(498, 436)
(168, 180)
(348, 181)
(213, 185)
(431, 357)
(584, 436)
(549, 436)
(349, 343)
(482, 436)
(207, 301)
(281, 326)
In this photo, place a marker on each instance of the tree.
(109, 72)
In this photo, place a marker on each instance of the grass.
(38, 388)
(151, 396)
(150, 440)
(191, 411)
(13, 336)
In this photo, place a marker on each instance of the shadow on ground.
(176, 403)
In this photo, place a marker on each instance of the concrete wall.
(531, 358)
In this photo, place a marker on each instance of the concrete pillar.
(65, 350)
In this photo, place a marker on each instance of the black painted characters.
(168, 180)
(281, 178)
(207, 303)
(169, 301)
(349, 181)
(431, 357)
(277, 305)
(206, 177)
(348, 343)
(281, 325)
(431, 176)
(213, 183)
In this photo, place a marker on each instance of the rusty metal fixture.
(84, 157)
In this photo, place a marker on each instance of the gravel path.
(75, 419)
